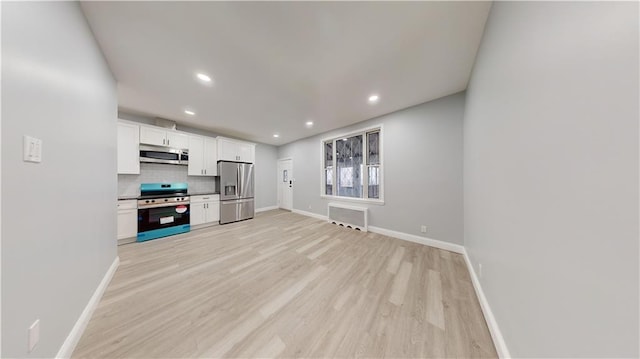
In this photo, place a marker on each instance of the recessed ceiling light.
(276, 135)
(203, 77)
(309, 123)
(189, 112)
(373, 98)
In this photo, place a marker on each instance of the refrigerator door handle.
(236, 201)
(239, 182)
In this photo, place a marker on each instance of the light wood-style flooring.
(286, 285)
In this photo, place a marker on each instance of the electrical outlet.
(423, 229)
(34, 335)
(480, 270)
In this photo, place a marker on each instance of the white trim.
(417, 239)
(81, 324)
(399, 235)
(363, 130)
(264, 209)
(496, 334)
(310, 214)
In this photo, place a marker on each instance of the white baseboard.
(400, 235)
(81, 324)
(263, 209)
(310, 214)
(417, 239)
(496, 334)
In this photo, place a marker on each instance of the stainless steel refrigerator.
(236, 191)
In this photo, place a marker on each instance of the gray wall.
(265, 175)
(551, 176)
(422, 170)
(59, 216)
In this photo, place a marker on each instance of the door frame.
(279, 180)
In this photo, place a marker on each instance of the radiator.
(348, 216)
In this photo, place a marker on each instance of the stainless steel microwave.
(168, 155)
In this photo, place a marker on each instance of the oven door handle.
(159, 205)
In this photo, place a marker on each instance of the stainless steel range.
(163, 210)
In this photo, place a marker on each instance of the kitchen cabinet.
(205, 209)
(159, 136)
(128, 149)
(127, 219)
(233, 150)
(203, 156)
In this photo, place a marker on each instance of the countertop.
(125, 198)
(202, 193)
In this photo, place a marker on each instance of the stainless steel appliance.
(159, 154)
(163, 210)
(236, 191)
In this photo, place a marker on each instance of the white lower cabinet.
(127, 219)
(205, 209)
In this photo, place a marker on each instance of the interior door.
(285, 184)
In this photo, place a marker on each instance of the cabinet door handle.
(163, 141)
(205, 171)
(168, 142)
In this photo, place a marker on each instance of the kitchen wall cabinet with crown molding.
(128, 148)
(203, 156)
(235, 150)
(158, 136)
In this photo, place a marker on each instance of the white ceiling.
(277, 65)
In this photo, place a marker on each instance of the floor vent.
(348, 216)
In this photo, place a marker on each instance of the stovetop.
(156, 196)
(162, 190)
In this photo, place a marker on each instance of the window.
(357, 160)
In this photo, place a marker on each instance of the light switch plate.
(34, 335)
(32, 151)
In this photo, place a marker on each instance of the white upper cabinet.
(210, 156)
(163, 137)
(202, 156)
(177, 140)
(153, 136)
(232, 150)
(128, 150)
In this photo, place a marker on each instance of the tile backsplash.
(129, 185)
